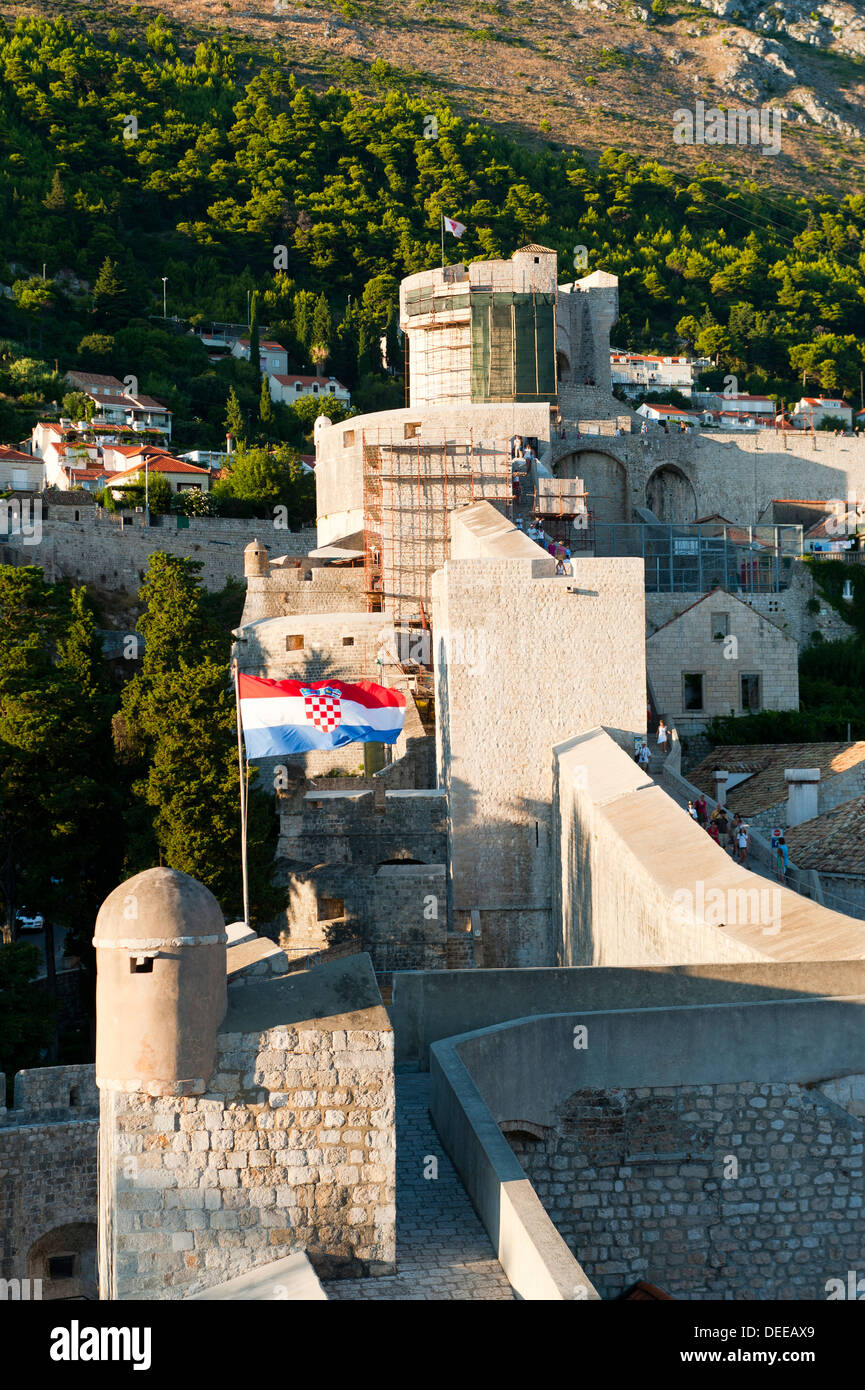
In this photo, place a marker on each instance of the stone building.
(524, 659)
(720, 657)
(48, 1197)
(237, 1125)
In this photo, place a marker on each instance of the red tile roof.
(833, 842)
(94, 379)
(9, 455)
(162, 464)
(267, 345)
(768, 763)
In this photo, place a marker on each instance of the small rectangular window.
(61, 1267)
(141, 965)
(348, 439)
(720, 626)
(749, 686)
(329, 908)
(348, 641)
(692, 690)
(411, 431)
(294, 643)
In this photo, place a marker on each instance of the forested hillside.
(125, 161)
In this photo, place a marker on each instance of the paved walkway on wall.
(443, 1251)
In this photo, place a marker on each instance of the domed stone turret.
(255, 559)
(161, 989)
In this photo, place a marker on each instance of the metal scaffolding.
(409, 488)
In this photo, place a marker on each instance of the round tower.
(255, 559)
(161, 991)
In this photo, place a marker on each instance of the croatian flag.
(294, 716)
(455, 228)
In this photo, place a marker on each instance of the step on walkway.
(442, 1250)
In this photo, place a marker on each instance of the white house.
(290, 388)
(182, 476)
(668, 414)
(118, 408)
(20, 472)
(811, 411)
(272, 356)
(636, 373)
(735, 412)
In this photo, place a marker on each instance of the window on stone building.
(692, 690)
(294, 643)
(411, 431)
(330, 908)
(347, 439)
(751, 699)
(348, 641)
(61, 1267)
(720, 626)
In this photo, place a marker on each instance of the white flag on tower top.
(455, 228)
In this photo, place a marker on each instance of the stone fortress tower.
(160, 985)
(245, 1112)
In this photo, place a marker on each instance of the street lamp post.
(146, 494)
(164, 283)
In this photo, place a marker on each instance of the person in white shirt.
(662, 736)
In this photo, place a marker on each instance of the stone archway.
(65, 1260)
(563, 368)
(606, 482)
(670, 495)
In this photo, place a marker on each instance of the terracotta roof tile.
(833, 842)
(768, 763)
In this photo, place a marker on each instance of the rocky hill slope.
(591, 73)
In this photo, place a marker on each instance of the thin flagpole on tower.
(244, 795)
(442, 219)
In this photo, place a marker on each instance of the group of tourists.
(730, 832)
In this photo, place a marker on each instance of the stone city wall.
(99, 549)
(292, 1148)
(738, 1190)
(560, 655)
(48, 1143)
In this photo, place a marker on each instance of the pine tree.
(111, 299)
(178, 737)
(55, 198)
(321, 332)
(266, 417)
(254, 338)
(235, 423)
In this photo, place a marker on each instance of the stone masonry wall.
(292, 1148)
(47, 1160)
(742, 1191)
(562, 655)
(99, 549)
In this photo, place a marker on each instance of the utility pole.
(164, 283)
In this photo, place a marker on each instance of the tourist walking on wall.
(742, 842)
(783, 858)
(662, 736)
(701, 809)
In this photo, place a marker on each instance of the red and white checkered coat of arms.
(322, 707)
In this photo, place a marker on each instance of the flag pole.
(244, 793)
(442, 219)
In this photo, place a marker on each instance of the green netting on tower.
(513, 346)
